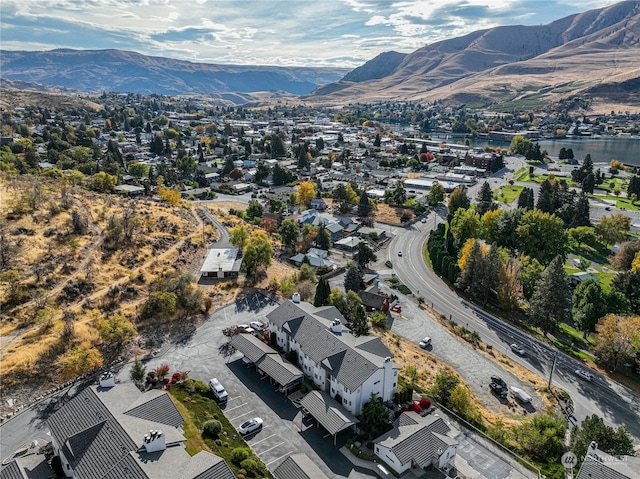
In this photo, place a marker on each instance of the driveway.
(250, 395)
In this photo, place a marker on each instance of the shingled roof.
(266, 358)
(349, 359)
(328, 412)
(298, 466)
(417, 439)
(101, 430)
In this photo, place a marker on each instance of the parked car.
(584, 374)
(250, 426)
(518, 349)
(520, 395)
(257, 325)
(423, 220)
(245, 328)
(499, 390)
(218, 390)
(498, 380)
(425, 342)
(397, 308)
(399, 253)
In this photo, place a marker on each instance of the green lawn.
(510, 193)
(197, 408)
(620, 202)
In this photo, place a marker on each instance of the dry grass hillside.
(70, 259)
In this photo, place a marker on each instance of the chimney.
(295, 298)
(107, 380)
(336, 326)
(154, 441)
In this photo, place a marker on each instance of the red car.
(397, 308)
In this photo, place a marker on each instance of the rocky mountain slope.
(123, 71)
(589, 53)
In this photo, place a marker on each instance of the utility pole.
(553, 365)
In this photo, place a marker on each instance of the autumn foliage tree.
(617, 339)
(305, 193)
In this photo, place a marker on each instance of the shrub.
(425, 403)
(250, 465)
(212, 428)
(404, 289)
(240, 454)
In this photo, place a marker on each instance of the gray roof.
(158, 409)
(416, 439)
(298, 466)
(101, 431)
(281, 371)
(604, 466)
(327, 411)
(251, 346)
(34, 466)
(350, 360)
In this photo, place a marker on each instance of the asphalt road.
(616, 404)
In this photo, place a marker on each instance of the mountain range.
(589, 60)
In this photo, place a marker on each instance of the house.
(113, 430)
(319, 204)
(335, 230)
(599, 465)
(576, 278)
(338, 363)
(298, 466)
(222, 263)
(373, 299)
(417, 441)
(350, 243)
(317, 257)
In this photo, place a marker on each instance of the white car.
(518, 349)
(256, 325)
(250, 426)
(218, 390)
(425, 342)
(584, 374)
(399, 253)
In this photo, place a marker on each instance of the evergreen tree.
(485, 199)
(458, 199)
(353, 280)
(549, 301)
(468, 278)
(523, 198)
(634, 186)
(581, 212)
(617, 442)
(365, 255)
(377, 141)
(545, 197)
(491, 267)
(364, 208)
(588, 184)
(323, 240)
(375, 416)
(323, 290)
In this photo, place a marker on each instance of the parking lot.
(251, 395)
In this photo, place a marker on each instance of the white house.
(346, 367)
(417, 441)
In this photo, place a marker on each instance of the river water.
(601, 149)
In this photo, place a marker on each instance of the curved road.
(616, 404)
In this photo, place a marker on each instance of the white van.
(218, 390)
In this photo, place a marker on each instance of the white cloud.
(291, 32)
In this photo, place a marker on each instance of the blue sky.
(342, 33)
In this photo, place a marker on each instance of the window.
(394, 385)
(377, 382)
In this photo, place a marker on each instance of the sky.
(318, 33)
